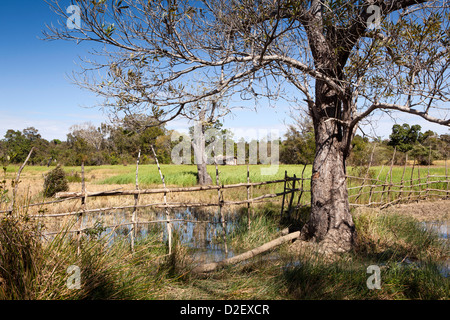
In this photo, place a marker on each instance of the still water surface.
(205, 239)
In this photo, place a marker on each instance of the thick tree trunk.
(330, 222)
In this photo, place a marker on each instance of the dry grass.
(421, 211)
(31, 191)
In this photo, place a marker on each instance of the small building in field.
(226, 160)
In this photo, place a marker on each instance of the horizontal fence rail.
(76, 195)
(363, 191)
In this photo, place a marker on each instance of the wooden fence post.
(400, 195)
(136, 201)
(365, 176)
(372, 186)
(83, 209)
(284, 194)
(16, 183)
(168, 224)
(390, 179)
(446, 178)
(419, 181)
(249, 209)
(292, 197)
(427, 191)
(411, 182)
(301, 189)
(220, 203)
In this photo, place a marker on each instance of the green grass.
(186, 175)
(30, 269)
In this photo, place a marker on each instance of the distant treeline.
(106, 144)
(119, 144)
(409, 142)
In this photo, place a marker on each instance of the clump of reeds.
(264, 227)
(387, 236)
(32, 267)
(20, 254)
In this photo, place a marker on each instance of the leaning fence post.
(427, 191)
(136, 201)
(390, 180)
(374, 186)
(284, 194)
(446, 178)
(301, 189)
(400, 196)
(16, 182)
(419, 181)
(248, 199)
(220, 199)
(169, 226)
(83, 209)
(411, 182)
(365, 176)
(292, 196)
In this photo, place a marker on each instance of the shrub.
(55, 181)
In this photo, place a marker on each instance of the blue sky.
(35, 89)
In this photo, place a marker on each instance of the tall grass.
(20, 255)
(31, 268)
(264, 227)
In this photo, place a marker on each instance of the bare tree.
(89, 133)
(342, 60)
(204, 114)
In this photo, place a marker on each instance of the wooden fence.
(136, 193)
(365, 190)
(411, 185)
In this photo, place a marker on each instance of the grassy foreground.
(407, 255)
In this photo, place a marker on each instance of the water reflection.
(203, 232)
(442, 229)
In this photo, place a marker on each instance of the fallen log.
(209, 267)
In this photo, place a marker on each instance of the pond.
(203, 232)
(442, 229)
